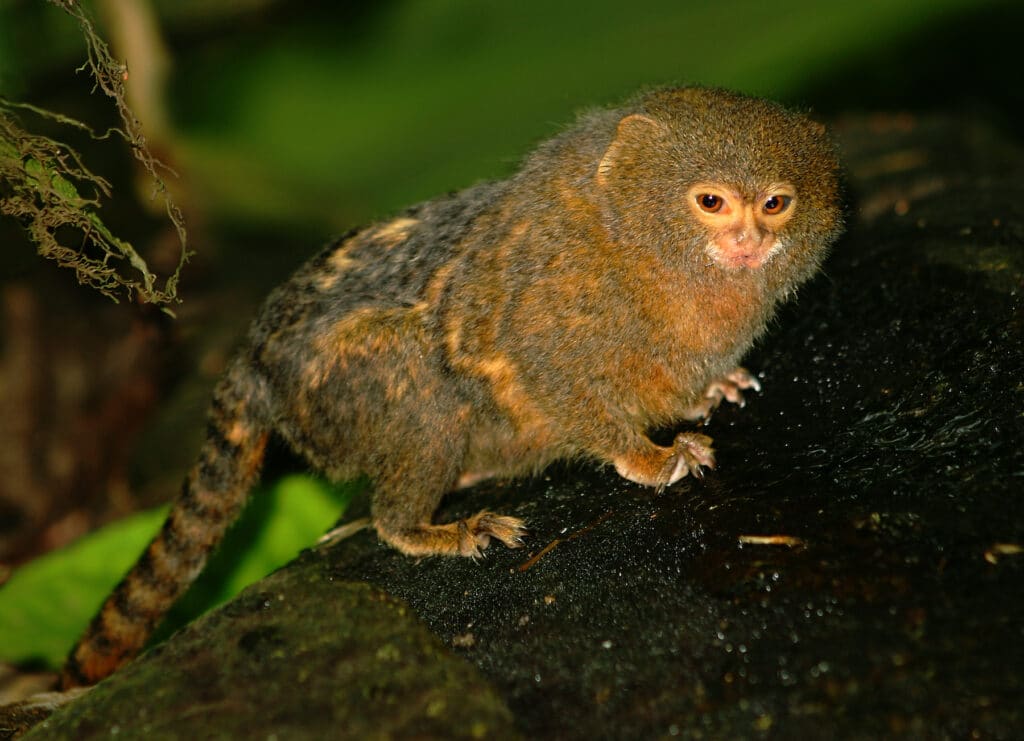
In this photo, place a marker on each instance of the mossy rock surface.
(299, 655)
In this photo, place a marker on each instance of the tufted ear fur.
(633, 132)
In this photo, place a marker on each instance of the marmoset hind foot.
(561, 313)
(468, 537)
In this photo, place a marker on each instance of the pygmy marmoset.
(608, 288)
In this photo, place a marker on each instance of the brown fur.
(561, 313)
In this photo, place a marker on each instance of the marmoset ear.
(633, 133)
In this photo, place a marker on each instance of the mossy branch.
(46, 186)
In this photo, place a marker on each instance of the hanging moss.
(45, 185)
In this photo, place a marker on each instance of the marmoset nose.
(751, 239)
(747, 233)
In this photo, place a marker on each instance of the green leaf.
(48, 603)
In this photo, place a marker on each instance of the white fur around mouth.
(735, 262)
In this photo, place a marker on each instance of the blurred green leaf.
(47, 603)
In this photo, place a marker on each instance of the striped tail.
(213, 495)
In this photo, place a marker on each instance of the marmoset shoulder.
(608, 288)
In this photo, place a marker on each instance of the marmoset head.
(716, 178)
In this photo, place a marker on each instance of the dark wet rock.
(851, 570)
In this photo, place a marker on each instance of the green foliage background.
(329, 113)
(296, 120)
